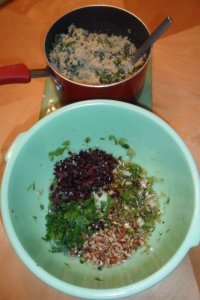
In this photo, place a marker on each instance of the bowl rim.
(192, 238)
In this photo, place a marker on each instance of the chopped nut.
(127, 225)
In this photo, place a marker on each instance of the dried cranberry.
(80, 174)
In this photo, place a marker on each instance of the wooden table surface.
(176, 99)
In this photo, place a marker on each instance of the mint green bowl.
(158, 149)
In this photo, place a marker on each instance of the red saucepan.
(97, 18)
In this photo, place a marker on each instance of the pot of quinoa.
(101, 199)
(89, 52)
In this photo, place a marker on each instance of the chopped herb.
(55, 249)
(60, 150)
(41, 206)
(113, 138)
(88, 140)
(147, 249)
(101, 40)
(104, 76)
(130, 152)
(73, 69)
(76, 217)
(118, 61)
(56, 61)
(122, 141)
(66, 264)
(126, 146)
(126, 50)
(69, 44)
(81, 261)
(99, 268)
(100, 54)
(66, 143)
(31, 187)
(98, 279)
(71, 30)
(35, 218)
(57, 38)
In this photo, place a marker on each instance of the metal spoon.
(154, 36)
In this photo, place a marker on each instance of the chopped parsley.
(124, 144)
(31, 187)
(98, 279)
(88, 140)
(60, 150)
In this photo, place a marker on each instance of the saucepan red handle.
(15, 74)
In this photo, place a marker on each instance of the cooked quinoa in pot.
(93, 58)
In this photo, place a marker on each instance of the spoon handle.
(154, 36)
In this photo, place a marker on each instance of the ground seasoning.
(101, 209)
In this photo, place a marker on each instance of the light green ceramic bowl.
(158, 149)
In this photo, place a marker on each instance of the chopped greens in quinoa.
(93, 58)
(102, 208)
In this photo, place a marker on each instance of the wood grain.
(184, 13)
(176, 99)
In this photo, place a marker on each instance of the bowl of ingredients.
(88, 53)
(100, 199)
